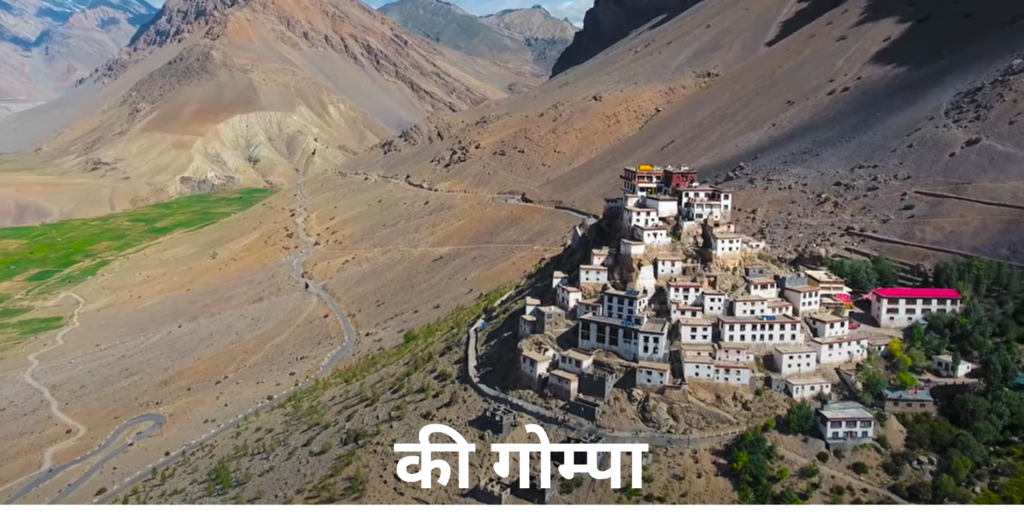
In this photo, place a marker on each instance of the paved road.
(156, 421)
(508, 198)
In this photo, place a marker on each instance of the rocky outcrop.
(543, 34)
(608, 21)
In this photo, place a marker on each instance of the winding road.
(110, 449)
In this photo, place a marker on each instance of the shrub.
(810, 471)
(860, 468)
(101, 491)
(884, 442)
(823, 457)
(800, 418)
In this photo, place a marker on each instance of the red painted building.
(678, 178)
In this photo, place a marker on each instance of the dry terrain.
(835, 112)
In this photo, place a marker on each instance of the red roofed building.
(901, 307)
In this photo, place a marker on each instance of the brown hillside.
(227, 94)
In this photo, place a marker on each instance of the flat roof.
(536, 356)
(732, 364)
(822, 275)
(529, 318)
(697, 359)
(847, 413)
(693, 347)
(750, 298)
(625, 293)
(569, 288)
(731, 346)
(779, 303)
(725, 236)
(577, 354)
(713, 292)
(779, 319)
(571, 377)
(832, 340)
(827, 318)
(681, 284)
(659, 227)
(917, 293)
(794, 349)
(921, 395)
(759, 279)
(631, 242)
(669, 258)
(594, 267)
(640, 209)
(799, 380)
(654, 366)
(700, 321)
(657, 325)
(803, 289)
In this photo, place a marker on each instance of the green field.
(38, 261)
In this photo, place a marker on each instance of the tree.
(219, 479)
(906, 380)
(800, 418)
(959, 468)
(872, 383)
(895, 348)
(750, 459)
(945, 490)
(885, 272)
(918, 359)
(1000, 365)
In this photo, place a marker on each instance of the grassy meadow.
(36, 262)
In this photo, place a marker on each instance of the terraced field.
(38, 261)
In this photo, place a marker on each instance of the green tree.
(959, 468)
(945, 490)
(873, 383)
(1000, 365)
(906, 380)
(800, 418)
(885, 272)
(219, 479)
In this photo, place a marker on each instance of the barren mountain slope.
(545, 36)
(225, 94)
(46, 45)
(810, 96)
(448, 25)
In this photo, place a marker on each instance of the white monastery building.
(768, 330)
(840, 350)
(825, 325)
(899, 307)
(795, 359)
(805, 299)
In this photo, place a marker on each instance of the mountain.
(543, 34)
(608, 21)
(217, 94)
(46, 45)
(448, 25)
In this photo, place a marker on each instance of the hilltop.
(215, 94)
(526, 40)
(45, 46)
